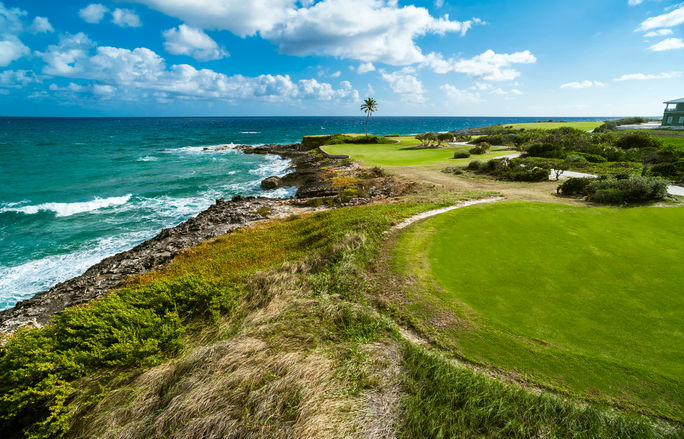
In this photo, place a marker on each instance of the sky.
(322, 57)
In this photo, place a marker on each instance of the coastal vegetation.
(369, 107)
(366, 318)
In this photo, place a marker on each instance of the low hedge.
(611, 190)
(358, 140)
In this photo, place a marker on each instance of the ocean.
(76, 190)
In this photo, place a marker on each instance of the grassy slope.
(586, 126)
(399, 155)
(579, 299)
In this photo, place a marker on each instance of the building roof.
(676, 101)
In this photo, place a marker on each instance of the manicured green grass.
(586, 126)
(400, 155)
(584, 300)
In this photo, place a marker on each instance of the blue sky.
(321, 57)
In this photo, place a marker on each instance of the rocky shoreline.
(221, 218)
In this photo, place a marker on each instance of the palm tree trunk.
(367, 116)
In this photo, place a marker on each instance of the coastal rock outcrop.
(272, 182)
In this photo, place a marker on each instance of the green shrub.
(574, 186)
(462, 138)
(461, 155)
(482, 148)
(546, 150)
(474, 165)
(131, 328)
(672, 170)
(494, 139)
(574, 158)
(633, 189)
(523, 174)
(592, 158)
(358, 140)
(392, 135)
(608, 196)
(445, 137)
(638, 141)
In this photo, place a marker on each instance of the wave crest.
(68, 209)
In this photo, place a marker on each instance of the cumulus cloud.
(365, 67)
(583, 84)
(488, 66)
(241, 17)
(658, 33)
(125, 18)
(186, 40)
(460, 96)
(405, 84)
(667, 44)
(17, 78)
(141, 69)
(41, 25)
(634, 2)
(646, 77)
(364, 30)
(673, 18)
(93, 13)
(11, 47)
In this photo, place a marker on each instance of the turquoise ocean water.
(76, 190)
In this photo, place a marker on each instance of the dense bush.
(575, 158)
(672, 170)
(495, 139)
(592, 158)
(575, 186)
(638, 141)
(474, 165)
(611, 125)
(546, 150)
(427, 139)
(608, 196)
(514, 170)
(445, 137)
(482, 148)
(461, 155)
(128, 329)
(632, 190)
(359, 140)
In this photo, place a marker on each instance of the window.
(669, 120)
(681, 120)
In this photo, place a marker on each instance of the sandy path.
(410, 220)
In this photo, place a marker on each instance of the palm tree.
(369, 106)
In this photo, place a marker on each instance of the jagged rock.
(272, 182)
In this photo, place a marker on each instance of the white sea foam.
(148, 158)
(23, 281)
(225, 148)
(68, 209)
(250, 132)
(274, 166)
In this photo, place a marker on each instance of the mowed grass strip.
(585, 300)
(400, 154)
(586, 126)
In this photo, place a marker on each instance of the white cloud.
(125, 18)
(337, 74)
(11, 47)
(658, 33)
(646, 77)
(93, 13)
(583, 84)
(460, 96)
(40, 25)
(366, 67)
(241, 17)
(404, 83)
(364, 30)
(439, 3)
(17, 78)
(673, 18)
(488, 66)
(635, 2)
(186, 40)
(142, 70)
(501, 92)
(668, 44)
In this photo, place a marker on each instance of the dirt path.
(519, 191)
(408, 221)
